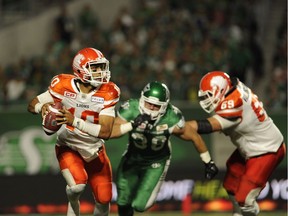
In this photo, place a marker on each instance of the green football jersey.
(146, 145)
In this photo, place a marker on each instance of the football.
(49, 123)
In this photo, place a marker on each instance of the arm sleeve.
(45, 97)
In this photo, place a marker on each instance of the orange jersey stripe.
(63, 85)
(231, 106)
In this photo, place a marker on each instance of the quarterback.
(89, 99)
(150, 121)
(260, 146)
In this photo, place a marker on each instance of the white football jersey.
(256, 134)
(88, 107)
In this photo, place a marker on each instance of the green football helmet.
(155, 93)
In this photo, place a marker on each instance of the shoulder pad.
(129, 109)
(231, 107)
(110, 90)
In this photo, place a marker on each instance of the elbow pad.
(204, 126)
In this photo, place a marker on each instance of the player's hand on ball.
(65, 117)
(46, 109)
(49, 115)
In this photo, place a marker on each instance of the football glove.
(141, 119)
(211, 170)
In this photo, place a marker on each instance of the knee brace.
(74, 192)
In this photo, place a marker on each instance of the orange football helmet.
(85, 63)
(213, 87)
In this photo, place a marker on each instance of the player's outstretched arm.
(190, 133)
(121, 126)
(211, 124)
(117, 131)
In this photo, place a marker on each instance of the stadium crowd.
(170, 41)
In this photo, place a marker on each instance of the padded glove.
(211, 170)
(141, 119)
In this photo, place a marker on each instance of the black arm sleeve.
(204, 126)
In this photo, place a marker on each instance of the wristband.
(205, 157)
(124, 128)
(38, 107)
(92, 129)
(78, 123)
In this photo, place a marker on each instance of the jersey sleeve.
(231, 107)
(173, 118)
(227, 123)
(180, 123)
(59, 84)
(111, 94)
(129, 110)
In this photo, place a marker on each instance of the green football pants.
(138, 184)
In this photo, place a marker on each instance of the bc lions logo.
(69, 94)
(78, 58)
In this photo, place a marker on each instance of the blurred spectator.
(178, 85)
(3, 89)
(15, 88)
(15, 84)
(239, 59)
(126, 20)
(87, 22)
(277, 90)
(277, 87)
(64, 25)
(257, 62)
(172, 41)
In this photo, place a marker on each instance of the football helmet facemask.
(85, 64)
(155, 93)
(213, 88)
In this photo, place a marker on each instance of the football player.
(89, 100)
(150, 122)
(260, 145)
